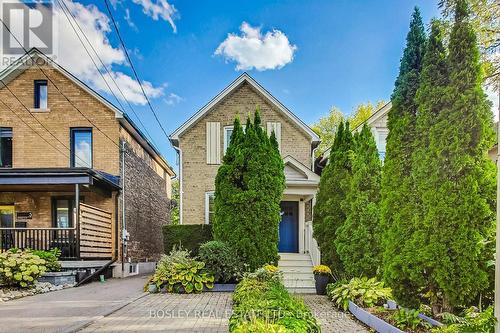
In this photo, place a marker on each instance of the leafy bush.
(362, 291)
(406, 318)
(221, 260)
(20, 268)
(472, 322)
(259, 326)
(267, 273)
(51, 258)
(262, 304)
(179, 273)
(188, 236)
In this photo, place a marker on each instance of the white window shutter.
(213, 143)
(276, 127)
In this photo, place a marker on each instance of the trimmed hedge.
(190, 236)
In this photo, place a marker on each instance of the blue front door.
(289, 227)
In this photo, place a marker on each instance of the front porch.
(73, 209)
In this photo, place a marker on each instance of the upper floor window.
(41, 93)
(228, 131)
(81, 147)
(6, 147)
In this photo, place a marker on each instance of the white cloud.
(173, 99)
(72, 55)
(129, 20)
(252, 49)
(159, 9)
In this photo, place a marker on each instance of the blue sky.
(346, 52)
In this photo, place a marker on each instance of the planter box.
(372, 321)
(429, 320)
(58, 278)
(222, 287)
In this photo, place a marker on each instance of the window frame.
(11, 130)
(208, 194)
(36, 95)
(226, 143)
(71, 210)
(72, 145)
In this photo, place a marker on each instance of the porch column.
(77, 219)
(302, 224)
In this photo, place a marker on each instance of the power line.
(133, 68)
(66, 10)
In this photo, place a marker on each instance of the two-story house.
(202, 140)
(76, 173)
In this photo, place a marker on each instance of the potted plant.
(322, 276)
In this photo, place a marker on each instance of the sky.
(311, 55)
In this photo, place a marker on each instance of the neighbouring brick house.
(202, 140)
(63, 182)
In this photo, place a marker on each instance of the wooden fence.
(96, 236)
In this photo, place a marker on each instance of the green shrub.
(221, 260)
(189, 236)
(361, 291)
(180, 273)
(406, 318)
(248, 190)
(51, 258)
(20, 268)
(472, 322)
(260, 301)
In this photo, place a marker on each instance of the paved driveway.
(69, 309)
(207, 312)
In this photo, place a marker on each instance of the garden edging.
(371, 320)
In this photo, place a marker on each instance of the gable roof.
(31, 57)
(305, 175)
(381, 112)
(245, 77)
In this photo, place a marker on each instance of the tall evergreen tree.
(461, 193)
(397, 190)
(328, 212)
(248, 189)
(431, 99)
(357, 240)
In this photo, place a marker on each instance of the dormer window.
(41, 93)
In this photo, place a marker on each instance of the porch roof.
(59, 176)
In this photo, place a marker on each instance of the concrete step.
(295, 263)
(302, 290)
(295, 256)
(298, 276)
(295, 269)
(298, 283)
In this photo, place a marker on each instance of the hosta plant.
(408, 319)
(362, 291)
(20, 268)
(189, 277)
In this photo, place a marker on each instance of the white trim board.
(174, 137)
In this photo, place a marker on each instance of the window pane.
(62, 213)
(82, 148)
(43, 97)
(210, 207)
(41, 94)
(5, 147)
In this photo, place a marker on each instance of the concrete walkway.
(70, 309)
(207, 312)
(331, 319)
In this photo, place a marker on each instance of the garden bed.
(8, 294)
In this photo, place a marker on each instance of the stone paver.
(206, 312)
(69, 309)
(330, 319)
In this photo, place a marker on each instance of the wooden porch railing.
(311, 246)
(40, 239)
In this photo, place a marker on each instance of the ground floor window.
(209, 207)
(7, 216)
(62, 212)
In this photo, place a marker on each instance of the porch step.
(297, 272)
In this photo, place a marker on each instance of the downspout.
(124, 224)
(181, 193)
